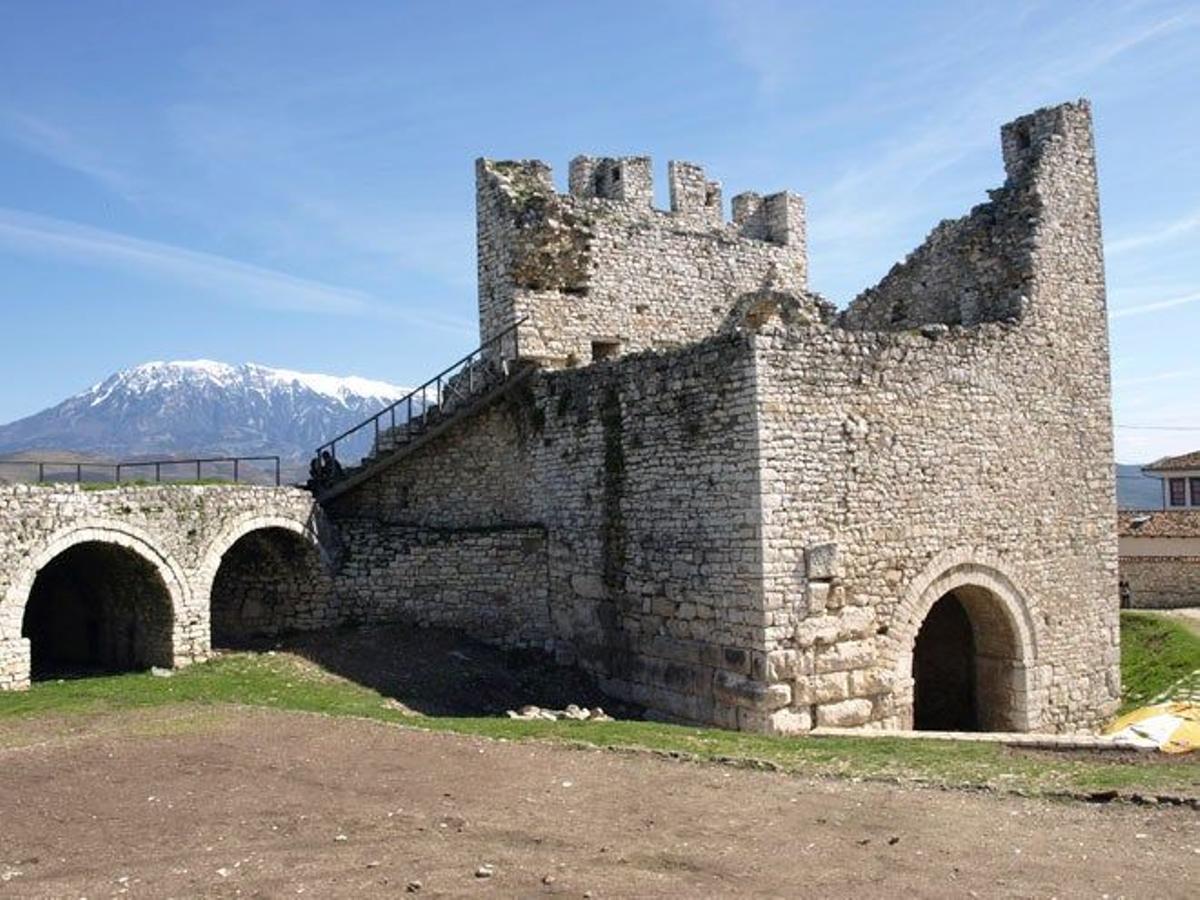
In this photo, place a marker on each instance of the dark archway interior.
(944, 670)
(968, 667)
(271, 581)
(98, 607)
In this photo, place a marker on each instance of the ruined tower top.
(598, 271)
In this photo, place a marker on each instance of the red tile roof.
(1168, 523)
(1175, 463)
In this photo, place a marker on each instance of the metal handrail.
(422, 391)
(158, 464)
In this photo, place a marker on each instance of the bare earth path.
(224, 802)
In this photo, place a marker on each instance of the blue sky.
(290, 183)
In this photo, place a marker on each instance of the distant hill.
(200, 408)
(1137, 491)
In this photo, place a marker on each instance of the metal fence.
(220, 468)
(416, 409)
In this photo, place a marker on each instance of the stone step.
(1029, 740)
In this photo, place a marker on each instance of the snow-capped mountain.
(201, 407)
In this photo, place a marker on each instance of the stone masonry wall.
(181, 532)
(179, 564)
(271, 581)
(888, 450)
(956, 277)
(600, 265)
(1162, 582)
(751, 529)
(491, 581)
(641, 475)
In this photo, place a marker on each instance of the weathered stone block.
(827, 688)
(818, 597)
(589, 586)
(821, 561)
(729, 687)
(870, 682)
(844, 656)
(786, 721)
(846, 714)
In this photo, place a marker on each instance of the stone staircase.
(397, 430)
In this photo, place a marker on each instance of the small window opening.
(1024, 141)
(616, 173)
(710, 197)
(1177, 486)
(1195, 486)
(602, 350)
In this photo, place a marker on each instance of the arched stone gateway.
(97, 597)
(965, 650)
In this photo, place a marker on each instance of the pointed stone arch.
(1005, 636)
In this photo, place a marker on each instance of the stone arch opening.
(98, 607)
(968, 665)
(270, 581)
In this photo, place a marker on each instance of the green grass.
(286, 683)
(1155, 653)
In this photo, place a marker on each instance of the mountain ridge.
(202, 407)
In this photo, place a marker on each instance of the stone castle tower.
(737, 505)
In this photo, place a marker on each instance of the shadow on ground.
(438, 672)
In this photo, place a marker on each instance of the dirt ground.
(223, 802)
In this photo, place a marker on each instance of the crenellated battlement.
(629, 181)
(599, 271)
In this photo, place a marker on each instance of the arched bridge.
(134, 577)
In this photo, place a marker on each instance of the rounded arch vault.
(264, 576)
(965, 627)
(99, 593)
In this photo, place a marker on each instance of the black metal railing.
(60, 471)
(417, 409)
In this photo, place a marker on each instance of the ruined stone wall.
(600, 265)
(1162, 582)
(984, 449)
(642, 476)
(968, 270)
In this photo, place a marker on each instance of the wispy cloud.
(1159, 235)
(967, 118)
(881, 197)
(766, 40)
(1156, 306)
(218, 276)
(51, 141)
